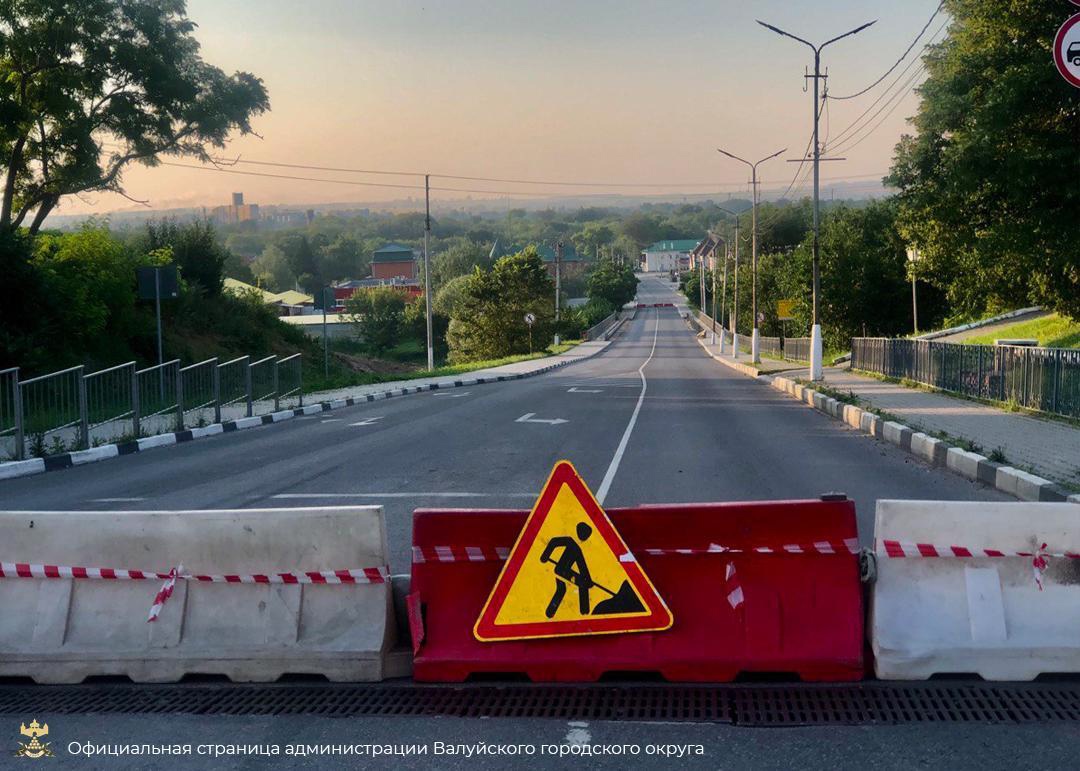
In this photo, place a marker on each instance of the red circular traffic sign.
(1067, 50)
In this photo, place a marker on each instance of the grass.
(1052, 331)
(317, 383)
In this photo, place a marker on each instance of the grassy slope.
(1053, 331)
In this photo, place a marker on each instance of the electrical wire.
(898, 61)
(853, 126)
(891, 105)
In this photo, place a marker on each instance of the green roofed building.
(669, 255)
(393, 261)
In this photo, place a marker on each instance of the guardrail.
(1043, 379)
(73, 409)
(599, 330)
(788, 348)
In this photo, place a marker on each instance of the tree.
(458, 260)
(988, 182)
(612, 283)
(378, 315)
(342, 258)
(195, 249)
(272, 271)
(489, 319)
(78, 74)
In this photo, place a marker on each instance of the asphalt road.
(651, 420)
(702, 433)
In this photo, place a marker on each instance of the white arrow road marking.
(366, 422)
(576, 390)
(530, 417)
(452, 396)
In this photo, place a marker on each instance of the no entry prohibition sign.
(1067, 50)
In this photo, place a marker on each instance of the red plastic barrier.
(802, 612)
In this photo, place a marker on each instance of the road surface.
(651, 420)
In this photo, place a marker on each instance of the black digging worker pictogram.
(571, 567)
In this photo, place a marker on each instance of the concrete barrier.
(936, 610)
(62, 630)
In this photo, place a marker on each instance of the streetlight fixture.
(755, 340)
(815, 331)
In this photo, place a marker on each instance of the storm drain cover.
(751, 705)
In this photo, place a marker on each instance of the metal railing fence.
(111, 396)
(264, 380)
(596, 331)
(1042, 379)
(234, 383)
(797, 348)
(290, 380)
(63, 409)
(199, 387)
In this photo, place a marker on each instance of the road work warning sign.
(569, 573)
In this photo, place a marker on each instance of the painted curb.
(24, 468)
(970, 465)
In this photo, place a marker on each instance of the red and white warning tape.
(422, 554)
(379, 575)
(1040, 558)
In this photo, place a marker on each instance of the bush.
(378, 314)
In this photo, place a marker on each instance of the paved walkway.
(528, 367)
(1048, 448)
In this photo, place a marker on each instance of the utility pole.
(427, 272)
(558, 286)
(755, 340)
(723, 302)
(816, 371)
(735, 319)
(716, 242)
(913, 260)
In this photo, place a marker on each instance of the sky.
(597, 91)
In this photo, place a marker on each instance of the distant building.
(707, 253)
(665, 256)
(346, 289)
(572, 263)
(238, 211)
(393, 261)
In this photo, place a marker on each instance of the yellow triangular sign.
(569, 573)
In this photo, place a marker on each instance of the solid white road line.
(116, 500)
(609, 477)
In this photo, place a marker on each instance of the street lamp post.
(815, 331)
(735, 302)
(913, 259)
(755, 340)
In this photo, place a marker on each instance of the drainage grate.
(750, 705)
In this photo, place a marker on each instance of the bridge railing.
(72, 409)
(1042, 379)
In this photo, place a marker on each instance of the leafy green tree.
(414, 325)
(612, 283)
(447, 298)
(488, 320)
(378, 314)
(74, 73)
(989, 181)
(198, 253)
(458, 260)
(342, 258)
(272, 271)
(591, 237)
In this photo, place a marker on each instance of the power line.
(853, 126)
(898, 61)
(895, 102)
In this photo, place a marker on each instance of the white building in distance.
(666, 256)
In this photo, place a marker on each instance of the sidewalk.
(766, 366)
(506, 371)
(1048, 448)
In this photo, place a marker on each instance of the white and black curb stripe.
(23, 468)
(1015, 482)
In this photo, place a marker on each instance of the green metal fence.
(1043, 379)
(73, 409)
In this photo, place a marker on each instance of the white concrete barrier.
(980, 614)
(64, 630)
